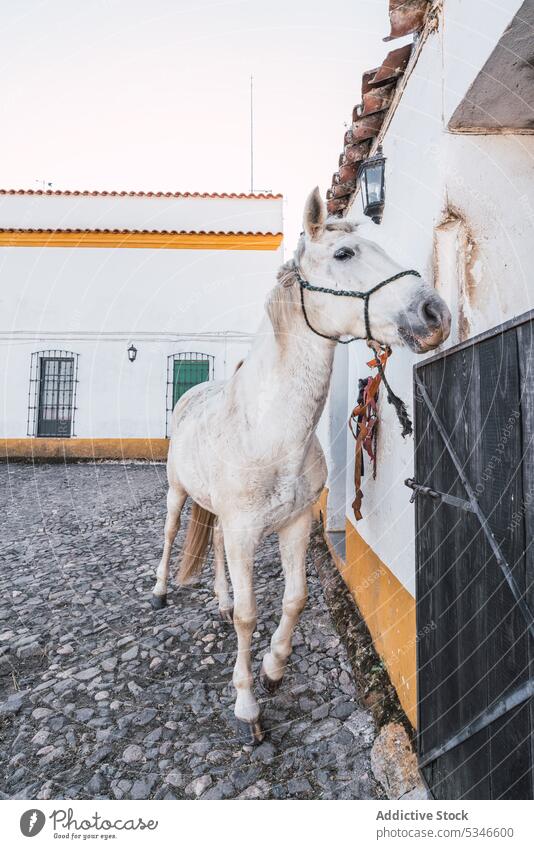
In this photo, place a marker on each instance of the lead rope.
(392, 398)
(399, 405)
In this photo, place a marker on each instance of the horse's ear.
(314, 214)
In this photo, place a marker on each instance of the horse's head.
(331, 254)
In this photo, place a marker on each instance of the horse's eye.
(344, 254)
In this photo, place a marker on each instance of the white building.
(453, 109)
(182, 278)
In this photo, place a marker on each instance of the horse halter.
(393, 399)
(349, 293)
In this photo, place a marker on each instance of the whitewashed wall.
(115, 398)
(96, 301)
(80, 211)
(80, 290)
(489, 181)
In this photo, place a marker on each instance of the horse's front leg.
(293, 539)
(240, 546)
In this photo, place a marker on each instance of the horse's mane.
(283, 301)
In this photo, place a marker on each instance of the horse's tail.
(196, 543)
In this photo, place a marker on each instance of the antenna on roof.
(260, 191)
(251, 134)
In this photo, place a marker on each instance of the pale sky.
(154, 94)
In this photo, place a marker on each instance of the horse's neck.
(289, 381)
(307, 367)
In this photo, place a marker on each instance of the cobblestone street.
(103, 697)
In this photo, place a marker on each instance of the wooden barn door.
(474, 494)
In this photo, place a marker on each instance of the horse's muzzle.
(426, 324)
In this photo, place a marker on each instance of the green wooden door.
(188, 373)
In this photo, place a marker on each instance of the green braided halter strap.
(349, 293)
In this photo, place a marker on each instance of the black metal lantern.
(132, 353)
(372, 184)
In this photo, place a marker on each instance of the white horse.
(245, 449)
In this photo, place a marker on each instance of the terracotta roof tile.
(76, 193)
(366, 77)
(406, 16)
(367, 127)
(374, 100)
(349, 171)
(392, 67)
(336, 206)
(356, 152)
(343, 189)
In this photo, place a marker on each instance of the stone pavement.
(102, 697)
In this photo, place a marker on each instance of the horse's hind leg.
(175, 501)
(221, 582)
(293, 540)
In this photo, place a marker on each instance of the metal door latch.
(420, 489)
(452, 500)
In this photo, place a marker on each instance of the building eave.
(147, 239)
(135, 194)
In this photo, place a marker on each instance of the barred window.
(52, 393)
(184, 371)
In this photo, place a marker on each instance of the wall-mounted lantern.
(372, 183)
(132, 353)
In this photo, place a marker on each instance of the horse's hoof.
(158, 602)
(268, 685)
(251, 733)
(227, 615)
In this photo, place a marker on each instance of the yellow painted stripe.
(320, 507)
(83, 449)
(386, 606)
(389, 612)
(180, 241)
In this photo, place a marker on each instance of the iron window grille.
(52, 394)
(184, 371)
